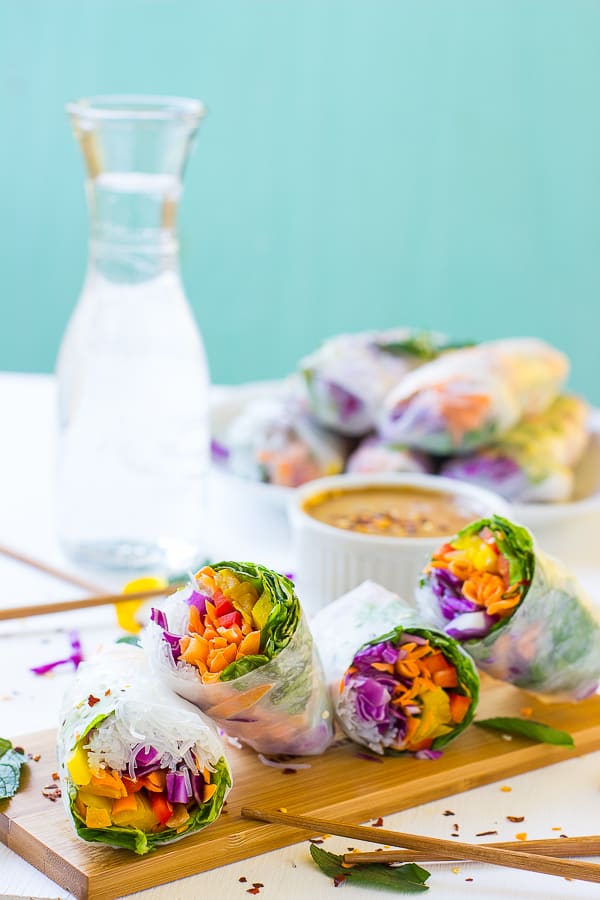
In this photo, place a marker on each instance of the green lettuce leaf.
(536, 731)
(10, 769)
(281, 622)
(408, 879)
(424, 346)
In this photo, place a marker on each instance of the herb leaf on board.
(408, 879)
(536, 731)
(10, 769)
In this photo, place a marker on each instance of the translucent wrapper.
(397, 684)
(139, 766)
(275, 440)
(276, 700)
(348, 377)
(473, 396)
(537, 629)
(533, 461)
(375, 455)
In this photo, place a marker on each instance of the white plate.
(561, 528)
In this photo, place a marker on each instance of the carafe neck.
(133, 224)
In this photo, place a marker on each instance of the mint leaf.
(537, 731)
(408, 879)
(10, 769)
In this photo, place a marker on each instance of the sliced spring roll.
(533, 461)
(237, 645)
(521, 614)
(348, 377)
(397, 685)
(139, 766)
(375, 455)
(274, 440)
(473, 396)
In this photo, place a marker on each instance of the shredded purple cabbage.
(144, 760)
(198, 600)
(177, 788)
(218, 451)
(347, 404)
(173, 640)
(447, 588)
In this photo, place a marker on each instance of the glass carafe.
(132, 373)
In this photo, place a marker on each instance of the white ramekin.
(331, 561)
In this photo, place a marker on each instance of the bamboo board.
(339, 785)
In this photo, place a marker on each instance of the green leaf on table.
(536, 731)
(408, 879)
(10, 769)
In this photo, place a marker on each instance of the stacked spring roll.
(237, 645)
(521, 614)
(139, 766)
(375, 455)
(473, 396)
(274, 440)
(397, 685)
(534, 460)
(348, 377)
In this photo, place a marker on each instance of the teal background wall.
(364, 163)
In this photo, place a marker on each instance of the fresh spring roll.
(348, 377)
(374, 455)
(519, 613)
(397, 685)
(473, 396)
(139, 767)
(274, 440)
(237, 645)
(534, 460)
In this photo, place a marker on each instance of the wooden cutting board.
(338, 785)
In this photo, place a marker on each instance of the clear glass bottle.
(132, 372)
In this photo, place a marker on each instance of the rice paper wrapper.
(370, 614)
(375, 455)
(114, 706)
(274, 440)
(282, 707)
(469, 398)
(532, 462)
(550, 645)
(348, 377)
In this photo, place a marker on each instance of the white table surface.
(565, 796)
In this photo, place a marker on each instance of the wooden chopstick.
(588, 845)
(67, 577)
(42, 609)
(548, 865)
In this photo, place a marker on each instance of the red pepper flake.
(521, 835)
(51, 792)
(468, 879)
(448, 812)
(253, 891)
(339, 880)
(288, 771)
(516, 818)
(456, 826)
(485, 833)
(107, 692)
(21, 751)
(316, 840)
(55, 776)
(91, 700)
(257, 884)
(243, 879)
(378, 823)
(563, 835)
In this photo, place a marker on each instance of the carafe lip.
(148, 107)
